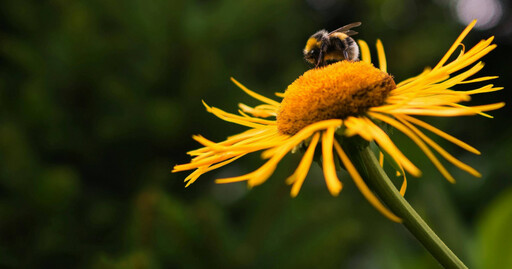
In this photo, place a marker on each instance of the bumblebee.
(324, 48)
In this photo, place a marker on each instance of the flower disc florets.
(335, 91)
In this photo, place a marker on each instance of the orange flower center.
(335, 91)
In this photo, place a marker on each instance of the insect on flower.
(357, 96)
(324, 48)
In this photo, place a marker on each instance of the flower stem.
(365, 161)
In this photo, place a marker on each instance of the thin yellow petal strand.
(192, 177)
(234, 179)
(206, 161)
(382, 56)
(365, 51)
(267, 107)
(255, 95)
(268, 143)
(298, 177)
(471, 56)
(257, 112)
(441, 134)
(256, 177)
(261, 174)
(446, 112)
(400, 172)
(462, 51)
(418, 142)
(363, 188)
(278, 152)
(409, 80)
(246, 138)
(218, 152)
(231, 117)
(455, 45)
(475, 53)
(251, 133)
(441, 73)
(471, 108)
(207, 143)
(478, 109)
(304, 134)
(420, 82)
(256, 120)
(202, 170)
(403, 188)
(259, 142)
(485, 89)
(225, 115)
(331, 179)
(357, 126)
(385, 142)
(459, 78)
(431, 94)
(480, 79)
(441, 151)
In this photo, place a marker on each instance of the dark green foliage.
(98, 100)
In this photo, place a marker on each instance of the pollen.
(336, 91)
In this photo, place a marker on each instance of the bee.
(324, 48)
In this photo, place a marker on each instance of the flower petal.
(255, 95)
(440, 150)
(455, 44)
(302, 170)
(331, 179)
(365, 51)
(402, 128)
(441, 134)
(382, 57)
(363, 188)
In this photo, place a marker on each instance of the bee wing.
(351, 32)
(347, 28)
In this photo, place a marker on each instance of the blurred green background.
(99, 99)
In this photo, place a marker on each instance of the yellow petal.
(255, 95)
(382, 56)
(440, 150)
(418, 142)
(441, 134)
(302, 170)
(331, 179)
(455, 45)
(363, 188)
(365, 51)
(385, 142)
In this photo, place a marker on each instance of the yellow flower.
(349, 99)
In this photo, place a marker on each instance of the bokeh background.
(99, 100)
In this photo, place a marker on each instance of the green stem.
(367, 164)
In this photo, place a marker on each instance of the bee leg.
(320, 57)
(323, 49)
(345, 54)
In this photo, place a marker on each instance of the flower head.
(349, 99)
(335, 91)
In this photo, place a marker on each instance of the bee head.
(313, 46)
(311, 54)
